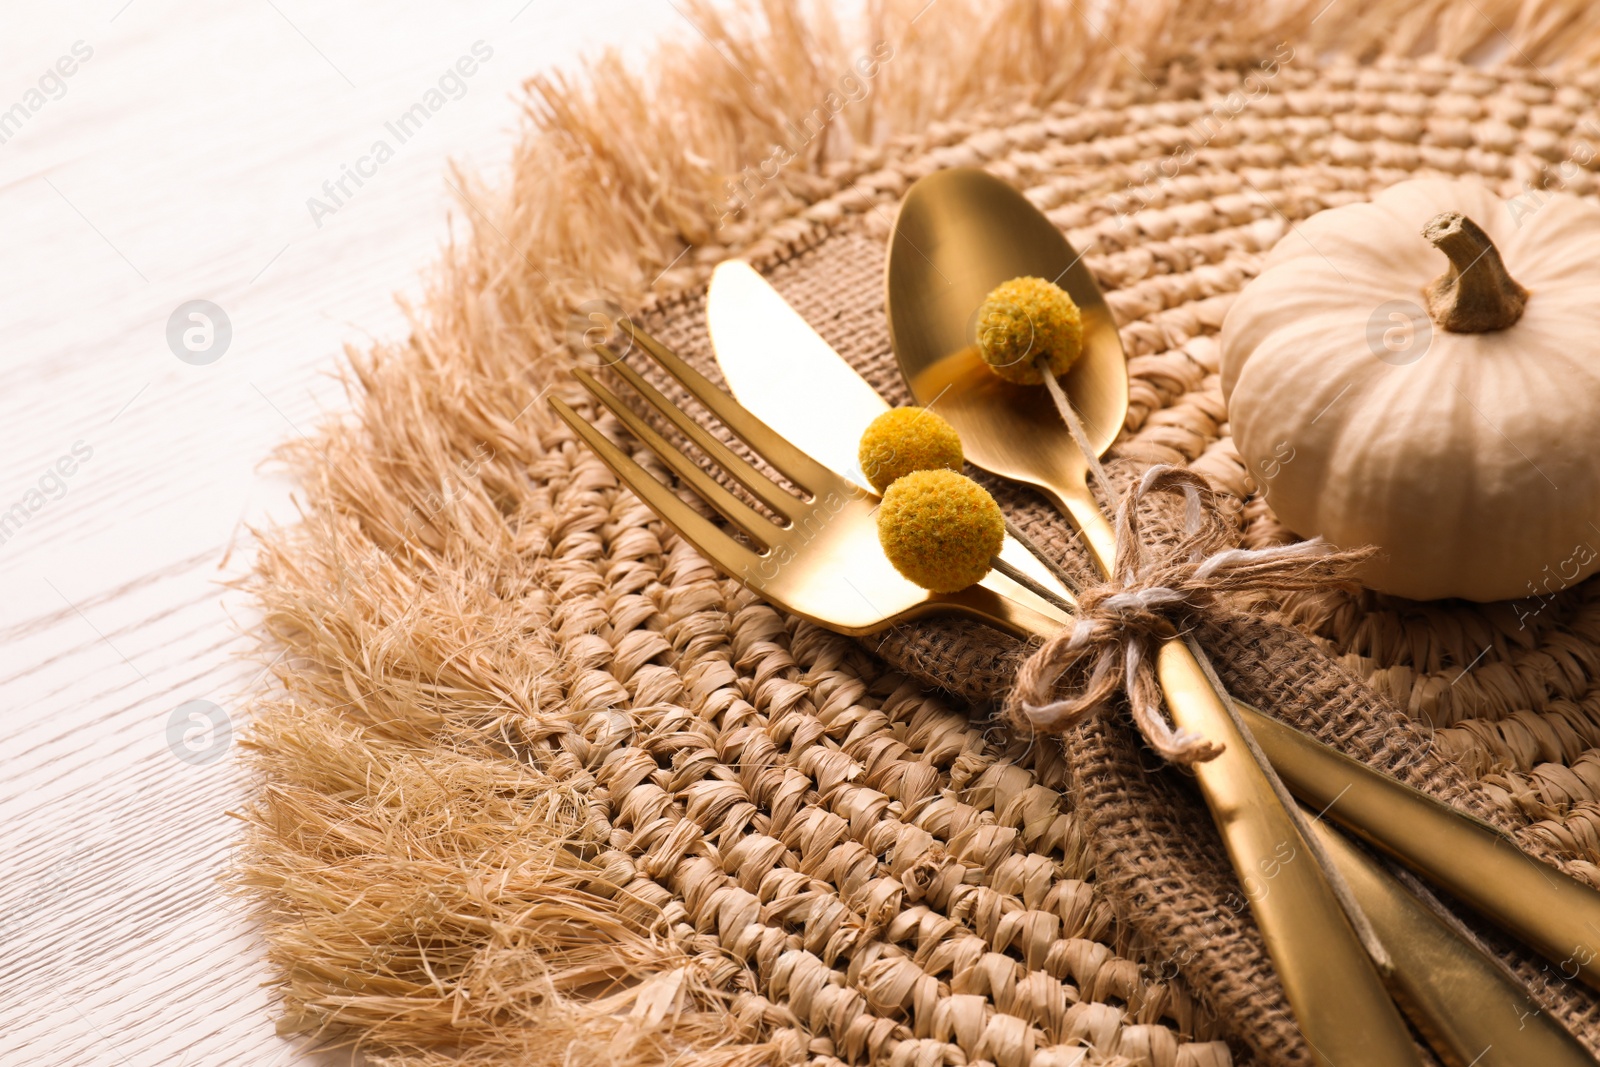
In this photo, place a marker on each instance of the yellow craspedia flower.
(940, 529)
(1024, 319)
(905, 440)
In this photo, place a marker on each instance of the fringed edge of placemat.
(627, 188)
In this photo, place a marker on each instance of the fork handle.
(1434, 969)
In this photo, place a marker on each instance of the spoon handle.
(1477, 864)
(1079, 505)
(1333, 986)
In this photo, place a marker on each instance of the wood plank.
(175, 165)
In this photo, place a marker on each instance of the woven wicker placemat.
(544, 788)
(1157, 860)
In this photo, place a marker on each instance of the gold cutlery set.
(1353, 976)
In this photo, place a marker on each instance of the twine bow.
(1122, 622)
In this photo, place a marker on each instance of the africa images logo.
(451, 85)
(51, 85)
(51, 485)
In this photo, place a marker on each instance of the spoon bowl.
(960, 233)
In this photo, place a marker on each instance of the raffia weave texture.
(1157, 859)
(548, 788)
(1168, 272)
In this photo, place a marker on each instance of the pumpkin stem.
(1476, 294)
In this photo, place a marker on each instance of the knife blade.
(780, 368)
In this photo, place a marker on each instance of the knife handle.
(1338, 998)
(1555, 914)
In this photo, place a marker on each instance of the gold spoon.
(960, 233)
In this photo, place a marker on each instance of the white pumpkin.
(1385, 392)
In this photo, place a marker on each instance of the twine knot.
(1156, 593)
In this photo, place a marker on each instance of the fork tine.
(790, 461)
(736, 511)
(763, 488)
(730, 556)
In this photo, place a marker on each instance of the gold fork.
(823, 563)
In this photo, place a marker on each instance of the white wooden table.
(173, 164)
